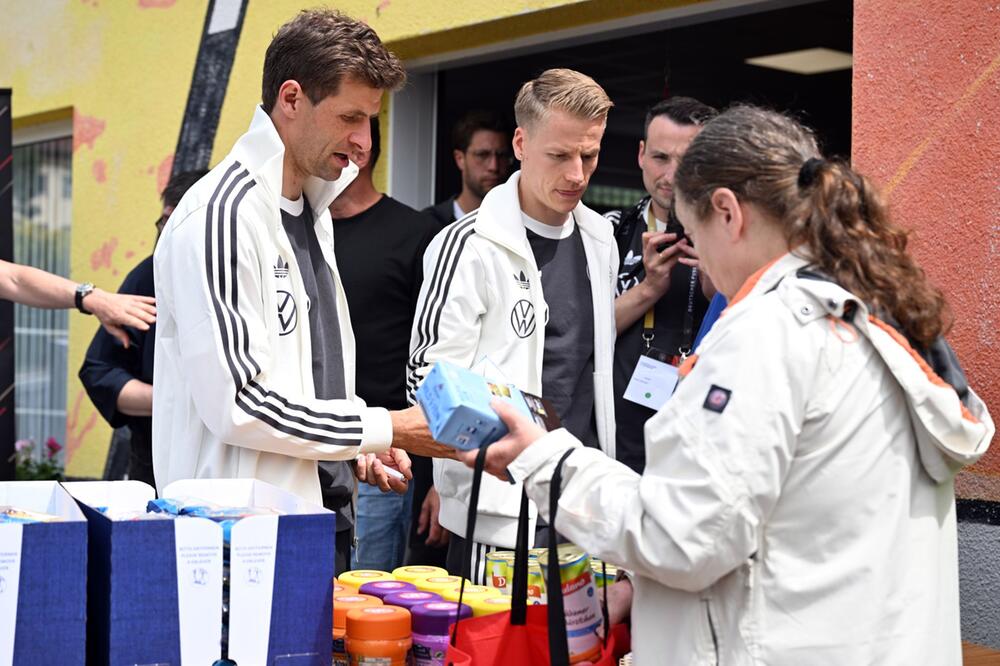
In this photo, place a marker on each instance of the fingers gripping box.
(456, 402)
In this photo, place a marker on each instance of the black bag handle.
(558, 641)
(470, 533)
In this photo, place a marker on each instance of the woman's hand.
(523, 433)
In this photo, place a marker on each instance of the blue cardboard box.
(456, 402)
(158, 583)
(43, 579)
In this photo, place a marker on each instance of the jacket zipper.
(711, 629)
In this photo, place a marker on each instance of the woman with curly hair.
(798, 503)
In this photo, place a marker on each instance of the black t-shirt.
(108, 366)
(380, 258)
(336, 478)
(568, 358)
(669, 330)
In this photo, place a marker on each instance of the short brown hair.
(563, 90)
(318, 48)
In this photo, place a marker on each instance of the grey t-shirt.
(568, 358)
(336, 478)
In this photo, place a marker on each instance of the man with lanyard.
(661, 295)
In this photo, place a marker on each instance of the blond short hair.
(564, 90)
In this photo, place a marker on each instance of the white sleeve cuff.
(376, 430)
(546, 449)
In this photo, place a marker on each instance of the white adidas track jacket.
(481, 304)
(234, 395)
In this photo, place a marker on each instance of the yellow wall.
(124, 68)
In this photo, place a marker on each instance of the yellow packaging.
(412, 574)
(489, 605)
(499, 568)
(439, 584)
(358, 578)
(471, 592)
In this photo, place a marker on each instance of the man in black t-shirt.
(379, 244)
(662, 297)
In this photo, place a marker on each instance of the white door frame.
(413, 111)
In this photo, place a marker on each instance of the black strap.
(558, 645)
(519, 590)
(605, 614)
(470, 533)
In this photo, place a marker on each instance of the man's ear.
(459, 157)
(642, 152)
(290, 98)
(518, 143)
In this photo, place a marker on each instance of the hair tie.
(807, 174)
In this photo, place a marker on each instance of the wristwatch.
(81, 292)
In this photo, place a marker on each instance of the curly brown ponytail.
(830, 213)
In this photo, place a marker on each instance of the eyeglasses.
(503, 156)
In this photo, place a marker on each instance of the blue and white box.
(43, 579)
(159, 583)
(456, 402)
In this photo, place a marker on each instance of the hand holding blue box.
(456, 402)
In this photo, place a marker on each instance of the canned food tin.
(583, 612)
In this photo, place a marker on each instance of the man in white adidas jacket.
(243, 385)
(486, 304)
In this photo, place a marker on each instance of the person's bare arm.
(136, 398)
(37, 288)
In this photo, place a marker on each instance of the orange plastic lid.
(378, 623)
(340, 590)
(349, 602)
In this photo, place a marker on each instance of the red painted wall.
(926, 127)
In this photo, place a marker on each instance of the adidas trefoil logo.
(281, 268)
(522, 281)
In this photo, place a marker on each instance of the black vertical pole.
(219, 38)
(6, 307)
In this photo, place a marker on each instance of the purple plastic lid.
(383, 588)
(410, 598)
(434, 618)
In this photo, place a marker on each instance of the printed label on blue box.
(251, 582)
(10, 577)
(199, 589)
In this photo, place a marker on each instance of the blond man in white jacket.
(523, 289)
(798, 503)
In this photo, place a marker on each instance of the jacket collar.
(262, 152)
(767, 277)
(499, 219)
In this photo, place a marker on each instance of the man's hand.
(658, 265)
(523, 433)
(691, 258)
(410, 433)
(115, 311)
(619, 601)
(373, 469)
(437, 536)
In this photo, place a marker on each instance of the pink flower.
(53, 446)
(22, 444)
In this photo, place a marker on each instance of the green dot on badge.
(649, 395)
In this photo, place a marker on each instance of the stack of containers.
(383, 588)
(359, 577)
(379, 635)
(431, 624)
(412, 574)
(342, 605)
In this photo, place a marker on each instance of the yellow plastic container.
(412, 574)
(471, 592)
(489, 605)
(358, 578)
(439, 584)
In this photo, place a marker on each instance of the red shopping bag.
(527, 635)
